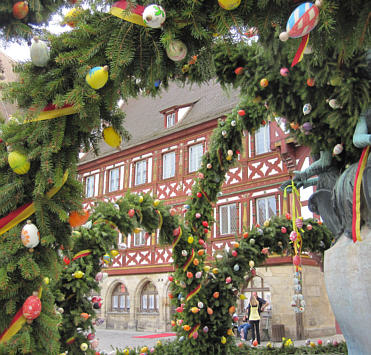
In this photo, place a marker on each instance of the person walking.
(255, 307)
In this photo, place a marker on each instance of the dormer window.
(170, 119)
(175, 114)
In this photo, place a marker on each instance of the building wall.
(318, 317)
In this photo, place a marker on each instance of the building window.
(228, 219)
(140, 172)
(266, 208)
(170, 120)
(89, 186)
(120, 299)
(195, 155)
(149, 298)
(139, 238)
(262, 140)
(114, 178)
(168, 165)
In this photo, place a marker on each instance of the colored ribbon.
(193, 293)
(204, 193)
(299, 53)
(51, 111)
(122, 9)
(356, 222)
(23, 212)
(16, 323)
(160, 219)
(189, 260)
(220, 159)
(193, 330)
(81, 254)
(177, 238)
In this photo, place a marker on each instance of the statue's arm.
(319, 166)
(361, 137)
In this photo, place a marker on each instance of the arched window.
(120, 299)
(255, 284)
(149, 298)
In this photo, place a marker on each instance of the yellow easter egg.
(190, 239)
(156, 203)
(78, 274)
(112, 137)
(114, 253)
(223, 340)
(19, 163)
(229, 4)
(97, 77)
(207, 268)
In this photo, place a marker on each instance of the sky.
(22, 52)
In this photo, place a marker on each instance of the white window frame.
(266, 208)
(139, 239)
(229, 226)
(194, 156)
(168, 165)
(170, 119)
(89, 186)
(262, 140)
(140, 172)
(113, 184)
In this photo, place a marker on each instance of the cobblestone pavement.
(110, 339)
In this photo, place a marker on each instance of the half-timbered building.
(170, 133)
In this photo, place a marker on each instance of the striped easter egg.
(302, 20)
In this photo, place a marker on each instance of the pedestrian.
(244, 328)
(255, 307)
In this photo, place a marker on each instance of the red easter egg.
(283, 230)
(199, 194)
(76, 219)
(131, 212)
(319, 341)
(255, 343)
(311, 82)
(238, 71)
(296, 260)
(205, 223)
(66, 260)
(31, 308)
(20, 10)
(241, 113)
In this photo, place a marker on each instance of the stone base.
(348, 283)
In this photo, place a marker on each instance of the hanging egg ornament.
(184, 252)
(20, 10)
(264, 83)
(84, 347)
(236, 267)
(334, 104)
(107, 258)
(30, 235)
(283, 230)
(112, 137)
(284, 71)
(338, 149)
(76, 219)
(293, 236)
(39, 52)
(311, 82)
(31, 308)
(71, 15)
(224, 133)
(307, 127)
(114, 253)
(223, 340)
(200, 305)
(301, 21)
(205, 329)
(198, 274)
(251, 263)
(176, 50)
(78, 274)
(229, 4)
(233, 123)
(19, 163)
(97, 77)
(154, 16)
(307, 109)
(309, 227)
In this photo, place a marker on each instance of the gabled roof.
(145, 122)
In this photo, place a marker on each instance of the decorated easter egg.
(154, 16)
(30, 235)
(112, 137)
(176, 50)
(39, 52)
(20, 10)
(229, 4)
(31, 308)
(19, 163)
(97, 77)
